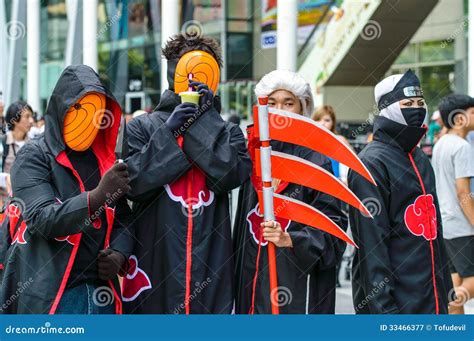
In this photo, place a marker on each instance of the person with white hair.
(306, 257)
(400, 266)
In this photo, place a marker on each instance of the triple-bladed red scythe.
(292, 128)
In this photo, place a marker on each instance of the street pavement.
(344, 297)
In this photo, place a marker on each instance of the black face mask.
(414, 116)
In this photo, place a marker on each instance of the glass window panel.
(433, 51)
(408, 55)
(437, 82)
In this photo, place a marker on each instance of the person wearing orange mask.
(184, 159)
(68, 218)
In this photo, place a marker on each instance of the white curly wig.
(289, 81)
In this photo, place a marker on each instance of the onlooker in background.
(128, 117)
(327, 117)
(234, 119)
(452, 163)
(137, 113)
(1, 104)
(37, 129)
(470, 139)
(19, 120)
(435, 128)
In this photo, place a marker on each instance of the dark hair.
(453, 105)
(14, 111)
(182, 43)
(234, 119)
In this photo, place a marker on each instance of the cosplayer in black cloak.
(401, 263)
(61, 183)
(306, 271)
(182, 261)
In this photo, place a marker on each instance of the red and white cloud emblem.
(14, 213)
(200, 194)
(420, 217)
(135, 282)
(19, 236)
(72, 239)
(255, 218)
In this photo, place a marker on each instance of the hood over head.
(74, 83)
(395, 88)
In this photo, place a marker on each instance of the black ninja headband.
(407, 87)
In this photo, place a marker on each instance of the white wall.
(350, 103)
(445, 19)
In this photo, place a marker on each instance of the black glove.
(109, 263)
(179, 116)
(207, 96)
(113, 184)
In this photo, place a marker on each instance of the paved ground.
(344, 298)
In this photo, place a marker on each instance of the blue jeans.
(87, 299)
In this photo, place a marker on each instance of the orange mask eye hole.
(201, 65)
(82, 121)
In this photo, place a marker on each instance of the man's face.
(285, 100)
(26, 121)
(470, 118)
(463, 119)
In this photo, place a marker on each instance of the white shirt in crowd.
(452, 159)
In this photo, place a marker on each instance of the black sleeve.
(219, 150)
(313, 247)
(5, 242)
(154, 160)
(40, 209)
(372, 237)
(122, 237)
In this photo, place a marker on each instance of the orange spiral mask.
(83, 121)
(203, 68)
